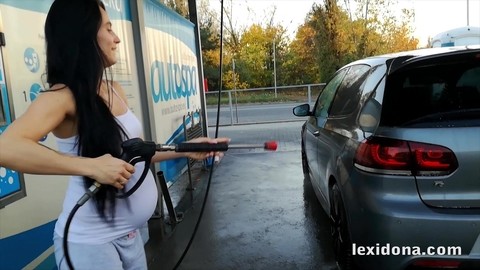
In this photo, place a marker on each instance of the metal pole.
(366, 11)
(235, 90)
(174, 217)
(309, 91)
(146, 101)
(468, 13)
(233, 68)
(274, 69)
(192, 10)
(230, 105)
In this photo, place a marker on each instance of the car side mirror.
(370, 116)
(302, 110)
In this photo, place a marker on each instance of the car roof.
(414, 54)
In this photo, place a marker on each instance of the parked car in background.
(392, 148)
(461, 36)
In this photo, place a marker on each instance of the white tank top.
(130, 213)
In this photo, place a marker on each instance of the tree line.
(333, 34)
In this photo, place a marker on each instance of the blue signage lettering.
(113, 4)
(172, 81)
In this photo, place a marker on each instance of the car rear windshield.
(436, 92)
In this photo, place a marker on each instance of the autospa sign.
(173, 81)
(173, 74)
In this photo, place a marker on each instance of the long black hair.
(75, 59)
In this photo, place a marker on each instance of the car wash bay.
(260, 212)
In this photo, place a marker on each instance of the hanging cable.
(216, 136)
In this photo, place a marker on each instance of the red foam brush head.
(271, 145)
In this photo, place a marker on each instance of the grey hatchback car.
(392, 148)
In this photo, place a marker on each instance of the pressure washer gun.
(136, 150)
(133, 151)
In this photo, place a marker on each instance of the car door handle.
(316, 133)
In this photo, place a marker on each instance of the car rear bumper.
(388, 219)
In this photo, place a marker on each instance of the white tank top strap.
(121, 99)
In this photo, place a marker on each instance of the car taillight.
(399, 157)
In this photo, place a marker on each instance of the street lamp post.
(468, 13)
(274, 69)
(235, 89)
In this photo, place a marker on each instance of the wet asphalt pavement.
(260, 212)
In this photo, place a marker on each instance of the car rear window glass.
(349, 93)
(328, 93)
(444, 92)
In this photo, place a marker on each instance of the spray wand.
(136, 150)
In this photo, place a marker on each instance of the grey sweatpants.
(126, 252)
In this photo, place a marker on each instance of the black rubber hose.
(65, 235)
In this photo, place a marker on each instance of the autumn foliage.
(334, 33)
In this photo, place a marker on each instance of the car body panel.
(384, 212)
(461, 189)
(389, 209)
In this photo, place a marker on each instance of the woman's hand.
(205, 155)
(108, 170)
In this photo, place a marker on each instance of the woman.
(90, 118)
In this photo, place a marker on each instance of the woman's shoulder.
(60, 94)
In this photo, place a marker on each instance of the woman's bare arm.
(21, 151)
(19, 147)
